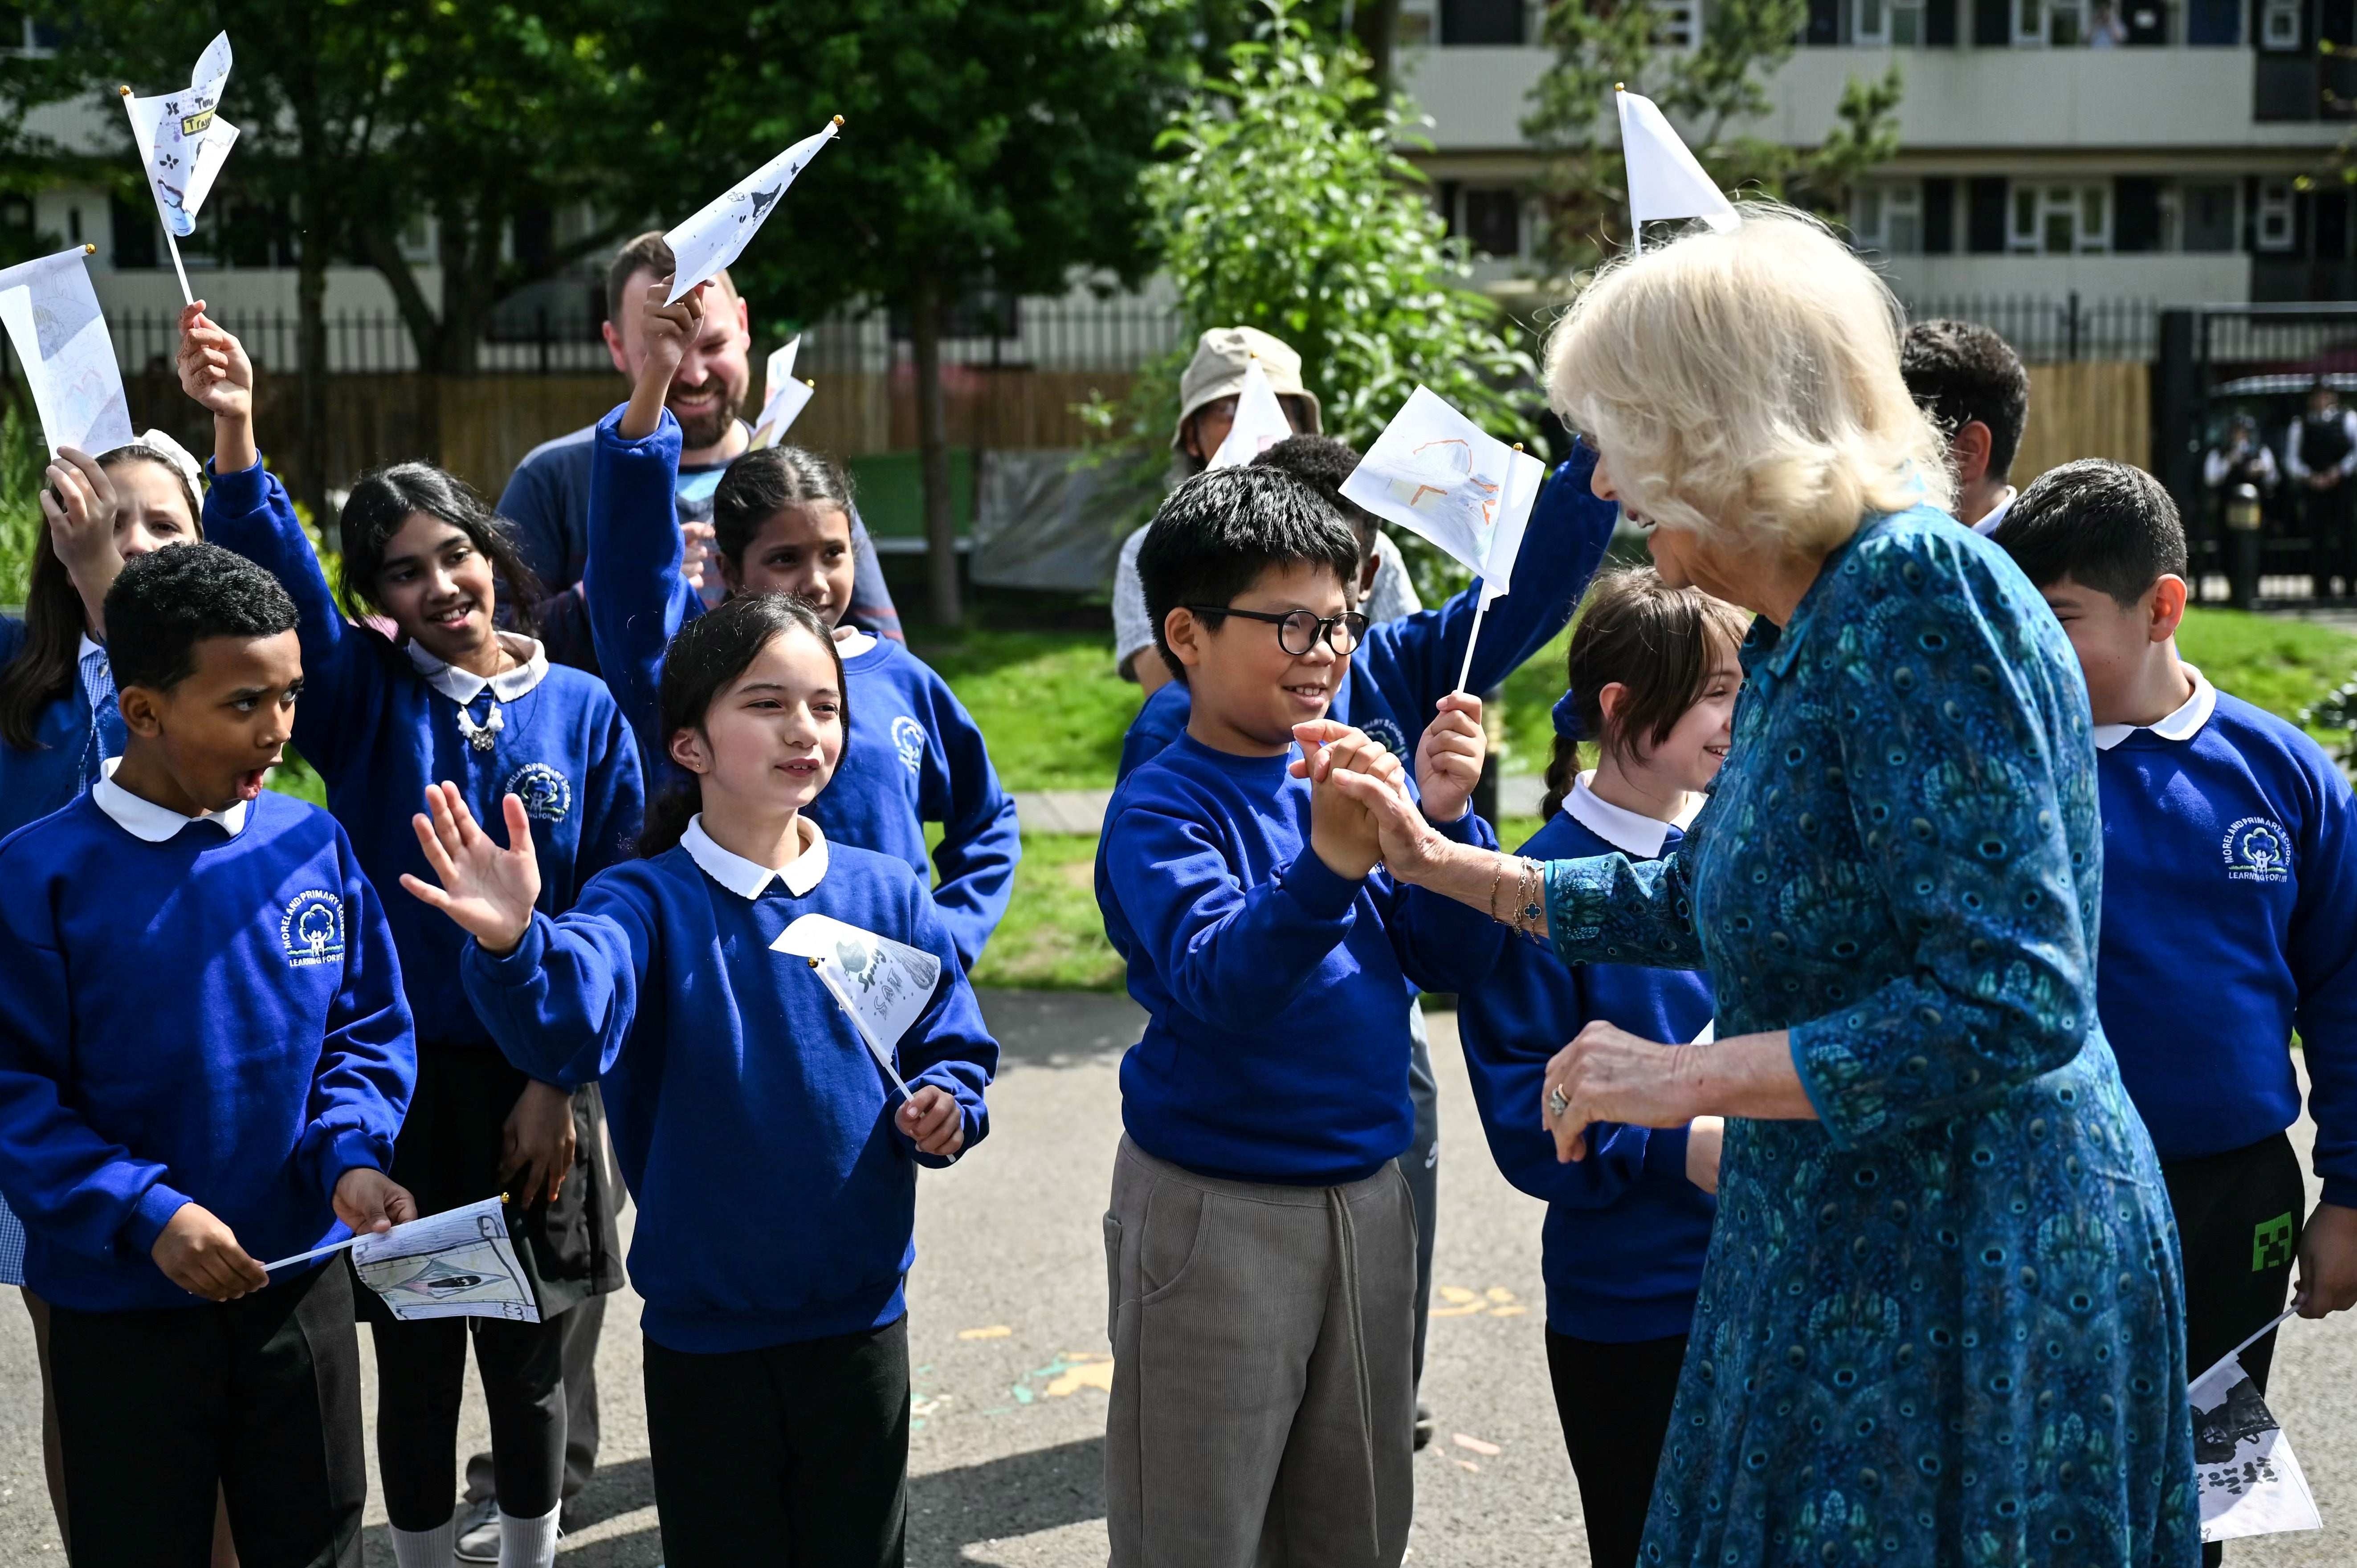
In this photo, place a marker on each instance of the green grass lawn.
(1049, 702)
(2281, 665)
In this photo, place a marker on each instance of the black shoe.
(1423, 1425)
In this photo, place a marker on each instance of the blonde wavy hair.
(1747, 384)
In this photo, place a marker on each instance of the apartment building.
(2172, 152)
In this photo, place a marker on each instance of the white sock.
(425, 1548)
(527, 1542)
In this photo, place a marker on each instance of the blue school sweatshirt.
(378, 732)
(1276, 1046)
(1625, 1231)
(216, 1019)
(2230, 920)
(1396, 679)
(777, 1194)
(66, 754)
(913, 755)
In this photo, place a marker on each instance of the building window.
(1493, 222)
(1887, 217)
(2059, 24)
(2060, 219)
(2280, 25)
(22, 37)
(2198, 217)
(1481, 21)
(1416, 23)
(2273, 219)
(1896, 24)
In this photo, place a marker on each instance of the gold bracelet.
(1532, 914)
(1497, 881)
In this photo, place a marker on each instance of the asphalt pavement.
(1011, 1368)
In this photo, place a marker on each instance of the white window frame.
(1893, 203)
(2051, 198)
(1678, 24)
(1886, 24)
(2272, 228)
(2034, 22)
(27, 44)
(2279, 26)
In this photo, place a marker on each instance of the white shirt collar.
(1987, 525)
(143, 818)
(463, 686)
(1628, 831)
(747, 879)
(850, 642)
(2183, 724)
(87, 648)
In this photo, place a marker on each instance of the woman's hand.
(486, 889)
(1608, 1074)
(1407, 842)
(934, 1121)
(538, 1142)
(1449, 758)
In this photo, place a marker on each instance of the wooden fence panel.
(2091, 408)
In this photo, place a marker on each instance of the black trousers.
(1614, 1402)
(258, 1398)
(794, 1454)
(2238, 1221)
(422, 1377)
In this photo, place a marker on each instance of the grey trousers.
(1262, 1404)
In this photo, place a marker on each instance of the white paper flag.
(1434, 471)
(782, 397)
(458, 1263)
(2250, 1482)
(885, 985)
(716, 236)
(1260, 421)
(182, 141)
(1664, 180)
(60, 334)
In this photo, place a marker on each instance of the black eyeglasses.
(1297, 631)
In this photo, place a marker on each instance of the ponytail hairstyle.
(45, 667)
(1652, 639)
(702, 662)
(383, 501)
(764, 482)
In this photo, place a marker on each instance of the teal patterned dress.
(1942, 1324)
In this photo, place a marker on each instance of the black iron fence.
(2049, 331)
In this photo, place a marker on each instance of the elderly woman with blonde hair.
(1941, 1319)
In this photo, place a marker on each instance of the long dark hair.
(706, 657)
(761, 484)
(44, 668)
(1652, 639)
(384, 499)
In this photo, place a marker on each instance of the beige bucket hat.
(1217, 371)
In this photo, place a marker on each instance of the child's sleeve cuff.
(1468, 829)
(246, 491)
(353, 1150)
(518, 964)
(1319, 887)
(1665, 1152)
(2339, 1191)
(151, 1214)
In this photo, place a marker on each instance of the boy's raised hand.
(666, 331)
(1372, 780)
(934, 1121)
(1342, 832)
(1449, 758)
(202, 1255)
(486, 889)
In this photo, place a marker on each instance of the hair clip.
(1567, 717)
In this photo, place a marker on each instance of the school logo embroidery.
(545, 794)
(909, 740)
(312, 930)
(1388, 732)
(2257, 850)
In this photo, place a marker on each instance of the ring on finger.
(1557, 1102)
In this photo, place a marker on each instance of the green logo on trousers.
(2271, 1244)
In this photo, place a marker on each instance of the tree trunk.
(311, 331)
(1376, 23)
(933, 445)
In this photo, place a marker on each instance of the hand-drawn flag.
(60, 334)
(2250, 1484)
(1435, 472)
(1260, 421)
(714, 238)
(782, 397)
(183, 142)
(884, 985)
(1664, 180)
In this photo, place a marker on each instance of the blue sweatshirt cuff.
(518, 964)
(151, 1214)
(2338, 1191)
(1319, 887)
(1665, 1152)
(352, 1150)
(1468, 829)
(243, 491)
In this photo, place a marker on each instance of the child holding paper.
(1654, 679)
(1268, 1100)
(2229, 919)
(781, 518)
(449, 697)
(776, 1177)
(204, 1057)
